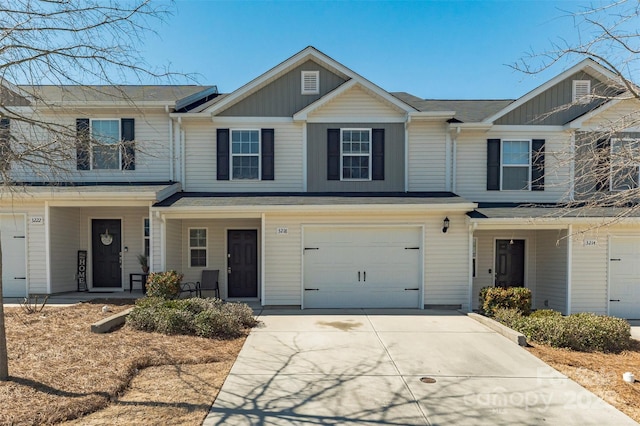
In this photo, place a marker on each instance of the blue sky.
(432, 49)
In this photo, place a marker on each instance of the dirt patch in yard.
(61, 371)
(600, 373)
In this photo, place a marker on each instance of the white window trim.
(582, 99)
(205, 248)
(91, 120)
(474, 258)
(145, 238)
(303, 89)
(502, 165)
(611, 165)
(231, 154)
(342, 154)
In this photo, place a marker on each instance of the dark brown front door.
(105, 249)
(242, 253)
(510, 263)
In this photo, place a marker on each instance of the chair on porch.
(209, 282)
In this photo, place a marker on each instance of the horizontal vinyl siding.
(317, 159)
(357, 105)
(173, 246)
(152, 157)
(64, 242)
(589, 272)
(443, 285)
(201, 158)
(427, 157)
(131, 237)
(551, 267)
(158, 244)
(471, 175)
(485, 260)
(216, 247)
(617, 117)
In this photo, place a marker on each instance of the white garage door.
(624, 276)
(362, 267)
(12, 238)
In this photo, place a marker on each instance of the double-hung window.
(245, 154)
(516, 164)
(105, 149)
(198, 247)
(355, 154)
(625, 163)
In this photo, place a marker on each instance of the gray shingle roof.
(467, 111)
(143, 93)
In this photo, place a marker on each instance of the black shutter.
(127, 127)
(537, 165)
(222, 162)
(267, 154)
(333, 154)
(82, 144)
(603, 168)
(377, 154)
(493, 164)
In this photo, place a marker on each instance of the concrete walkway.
(386, 367)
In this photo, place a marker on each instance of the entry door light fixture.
(445, 224)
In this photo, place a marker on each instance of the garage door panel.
(12, 238)
(362, 267)
(624, 264)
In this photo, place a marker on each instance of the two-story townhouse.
(311, 186)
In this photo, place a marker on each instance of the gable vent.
(581, 91)
(310, 82)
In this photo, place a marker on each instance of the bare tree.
(605, 160)
(90, 44)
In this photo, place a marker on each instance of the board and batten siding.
(547, 108)
(216, 247)
(64, 228)
(427, 156)
(471, 168)
(317, 159)
(152, 156)
(551, 270)
(485, 259)
(442, 285)
(131, 236)
(283, 97)
(201, 158)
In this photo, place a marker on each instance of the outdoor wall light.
(445, 224)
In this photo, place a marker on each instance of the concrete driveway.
(388, 367)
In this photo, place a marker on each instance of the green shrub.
(492, 298)
(584, 332)
(196, 316)
(164, 284)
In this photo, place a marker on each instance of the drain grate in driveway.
(427, 380)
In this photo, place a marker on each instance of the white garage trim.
(306, 230)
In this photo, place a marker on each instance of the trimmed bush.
(209, 317)
(584, 332)
(164, 284)
(492, 298)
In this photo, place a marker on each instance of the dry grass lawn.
(600, 373)
(61, 371)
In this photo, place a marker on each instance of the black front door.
(105, 249)
(242, 271)
(510, 263)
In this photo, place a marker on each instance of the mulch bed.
(61, 371)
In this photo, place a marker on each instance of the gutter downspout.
(454, 167)
(406, 153)
(569, 266)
